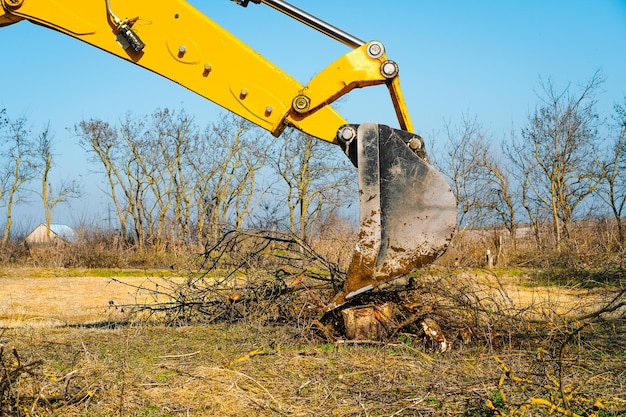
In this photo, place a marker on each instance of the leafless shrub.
(266, 277)
(592, 243)
(256, 276)
(26, 390)
(91, 248)
(11, 370)
(572, 369)
(469, 311)
(13, 252)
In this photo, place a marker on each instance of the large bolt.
(416, 143)
(375, 50)
(389, 69)
(346, 134)
(301, 103)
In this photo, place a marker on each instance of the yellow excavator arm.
(178, 42)
(408, 212)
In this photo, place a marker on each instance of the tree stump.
(368, 322)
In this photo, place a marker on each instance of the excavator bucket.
(408, 212)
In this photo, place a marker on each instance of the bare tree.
(557, 155)
(613, 188)
(4, 183)
(17, 167)
(50, 196)
(134, 167)
(165, 175)
(137, 181)
(102, 140)
(460, 165)
(500, 195)
(480, 181)
(239, 151)
(147, 174)
(178, 143)
(317, 178)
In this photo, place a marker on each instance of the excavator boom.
(408, 212)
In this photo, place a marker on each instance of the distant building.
(58, 233)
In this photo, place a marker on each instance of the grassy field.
(66, 350)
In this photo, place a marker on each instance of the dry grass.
(531, 342)
(214, 371)
(35, 297)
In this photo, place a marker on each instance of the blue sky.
(483, 58)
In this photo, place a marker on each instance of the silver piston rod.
(309, 20)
